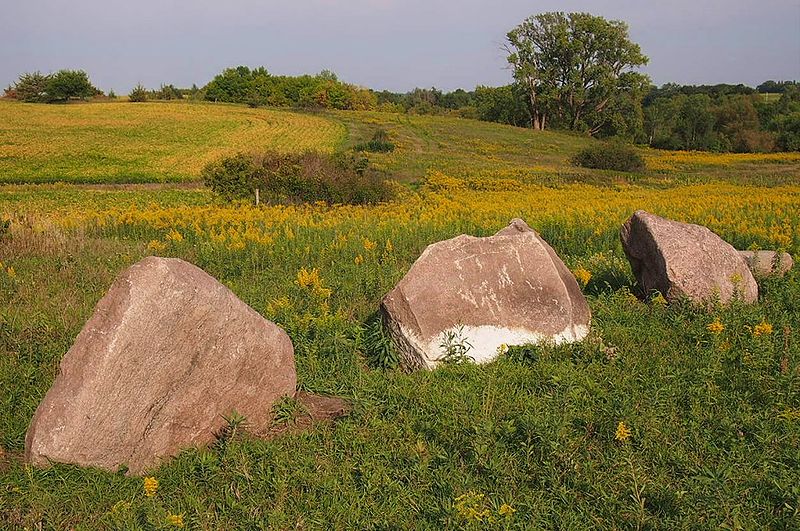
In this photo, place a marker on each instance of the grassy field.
(527, 442)
(172, 141)
(146, 142)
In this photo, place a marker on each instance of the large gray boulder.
(167, 352)
(767, 263)
(682, 260)
(507, 289)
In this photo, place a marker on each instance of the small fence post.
(257, 199)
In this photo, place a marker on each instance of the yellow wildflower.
(150, 486)
(11, 273)
(583, 276)
(236, 245)
(623, 432)
(716, 327)
(175, 520)
(311, 280)
(506, 510)
(762, 329)
(369, 244)
(471, 506)
(156, 246)
(659, 300)
(389, 247)
(175, 236)
(359, 260)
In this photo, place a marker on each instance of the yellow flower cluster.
(769, 216)
(150, 485)
(175, 520)
(762, 329)
(673, 160)
(583, 276)
(715, 327)
(310, 279)
(471, 507)
(623, 433)
(474, 507)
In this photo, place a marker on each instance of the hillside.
(172, 141)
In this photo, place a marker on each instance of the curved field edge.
(145, 142)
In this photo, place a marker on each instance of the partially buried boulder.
(681, 260)
(767, 263)
(506, 289)
(167, 352)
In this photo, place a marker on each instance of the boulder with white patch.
(507, 289)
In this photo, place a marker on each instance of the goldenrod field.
(709, 398)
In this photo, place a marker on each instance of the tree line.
(571, 71)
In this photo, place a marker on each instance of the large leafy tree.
(573, 68)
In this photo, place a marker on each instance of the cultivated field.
(147, 142)
(525, 442)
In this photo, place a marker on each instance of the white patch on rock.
(487, 341)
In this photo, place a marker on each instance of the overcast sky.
(383, 44)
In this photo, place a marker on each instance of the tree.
(67, 84)
(570, 66)
(695, 122)
(32, 87)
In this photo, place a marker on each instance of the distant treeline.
(720, 117)
(259, 87)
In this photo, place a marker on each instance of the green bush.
(67, 84)
(610, 156)
(62, 86)
(32, 88)
(379, 144)
(297, 178)
(138, 94)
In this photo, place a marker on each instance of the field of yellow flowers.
(667, 416)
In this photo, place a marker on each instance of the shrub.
(296, 178)
(610, 156)
(67, 84)
(138, 94)
(379, 144)
(32, 88)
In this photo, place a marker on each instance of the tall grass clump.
(297, 178)
(610, 156)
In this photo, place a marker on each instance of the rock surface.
(766, 263)
(684, 260)
(167, 352)
(506, 289)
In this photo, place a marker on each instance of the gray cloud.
(379, 43)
